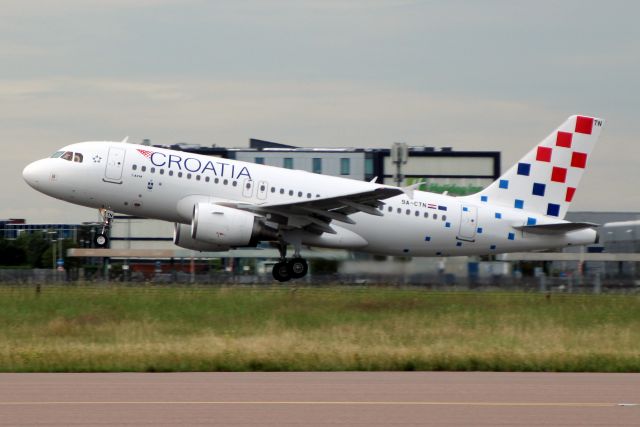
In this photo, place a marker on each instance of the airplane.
(218, 204)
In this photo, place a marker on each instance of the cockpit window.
(57, 154)
(68, 155)
(77, 157)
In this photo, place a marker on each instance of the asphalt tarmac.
(321, 399)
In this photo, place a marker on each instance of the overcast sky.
(491, 75)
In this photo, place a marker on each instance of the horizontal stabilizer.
(556, 228)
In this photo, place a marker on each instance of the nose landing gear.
(101, 239)
(295, 268)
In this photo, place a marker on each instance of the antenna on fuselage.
(125, 140)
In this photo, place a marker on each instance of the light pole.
(53, 249)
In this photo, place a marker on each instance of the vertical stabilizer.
(545, 180)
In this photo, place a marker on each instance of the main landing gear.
(295, 268)
(101, 240)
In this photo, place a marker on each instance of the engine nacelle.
(182, 238)
(220, 225)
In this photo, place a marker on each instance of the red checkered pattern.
(579, 160)
(564, 139)
(544, 154)
(558, 174)
(584, 125)
(145, 153)
(569, 196)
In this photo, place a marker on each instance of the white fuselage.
(164, 184)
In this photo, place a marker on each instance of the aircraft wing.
(316, 214)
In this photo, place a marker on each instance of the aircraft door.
(247, 188)
(262, 190)
(115, 164)
(468, 223)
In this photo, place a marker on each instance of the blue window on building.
(317, 165)
(260, 160)
(287, 162)
(345, 166)
(368, 167)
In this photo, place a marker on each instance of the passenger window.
(161, 171)
(170, 173)
(308, 195)
(134, 167)
(225, 182)
(273, 189)
(206, 179)
(399, 210)
(417, 213)
(426, 215)
(179, 174)
(282, 191)
(444, 217)
(143, 168)
(67, 156)
(152, 170)
(197, 177)
(234, 183)
(77, 157)
(390, 209)
(188, 176)
(435, 216)
(291, 192)
(216, 180)
(299, 193)
(408, 212)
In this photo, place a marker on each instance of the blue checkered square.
(504, 183)
(492, 247)
(480, 230)
(524, 169)
(531, 221)
(538, 189)
(498, 215)
(458, 243)
(427, 238)
(484, 198)
(553, 209)
(511, 236)
(447, 224)
(518, 204)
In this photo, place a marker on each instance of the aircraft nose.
(34, 173)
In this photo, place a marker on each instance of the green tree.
(69, 262)
(34, 245)
(11, 253)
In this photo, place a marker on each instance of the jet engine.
(182, 238)
(223, 226)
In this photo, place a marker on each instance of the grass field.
(77, 329)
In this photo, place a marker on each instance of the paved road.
(321, 399)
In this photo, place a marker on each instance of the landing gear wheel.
(281, 272)
(101, 240)
(298, 267)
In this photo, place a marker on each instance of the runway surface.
(321, 399)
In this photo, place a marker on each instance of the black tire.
(298, 267)
(101, 240)
(281, 272)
